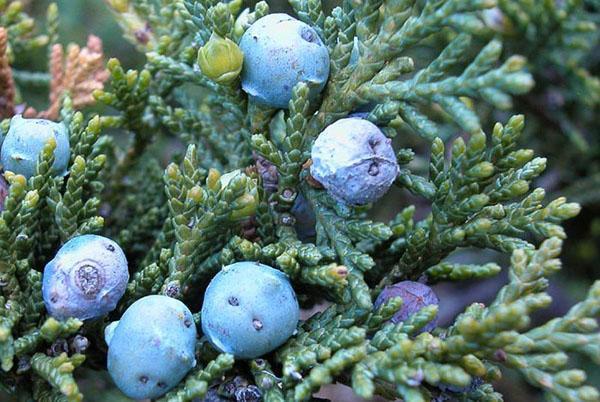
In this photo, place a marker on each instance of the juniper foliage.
(180, 223)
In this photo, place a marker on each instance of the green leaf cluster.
(188, 175)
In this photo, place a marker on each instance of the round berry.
(249, 309)
(86, 279)
(414, 296)
(152, 347)
(25, 141)
(354, 161)
(279, 52)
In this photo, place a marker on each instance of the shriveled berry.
(25, 141)
(58, 347)
(279, 52)
(151, 348)
(354, 161)
(79, 344)
(249, 309)
(414, 295)
(251, 393)
(268, 173)
(86, 278)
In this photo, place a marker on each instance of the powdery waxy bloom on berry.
(86, 279)
(25, 141)
(249, 310)
(279, 52)
(152, 347)
(220, 59)
(414, 296)
(354, 161)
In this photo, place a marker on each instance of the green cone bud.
(220, 59)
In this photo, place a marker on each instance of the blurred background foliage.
(573, 152)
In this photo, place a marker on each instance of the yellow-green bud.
(220, 59)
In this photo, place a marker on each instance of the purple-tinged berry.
(279, 52)
(25, 141)
(86, 279)
(414, 295)
(268, 173)
(152, 347)
(249, 310)
(354, 161)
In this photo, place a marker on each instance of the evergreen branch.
(197, 382)
(58, 372)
